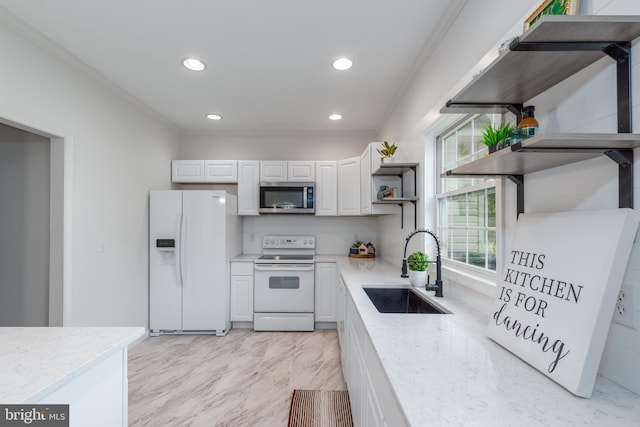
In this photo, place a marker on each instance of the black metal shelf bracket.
(621, 53)
(624, 159)
(511, 107)
(518, 180)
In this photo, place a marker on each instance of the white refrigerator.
(192, 237)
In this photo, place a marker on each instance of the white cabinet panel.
(325, 306)
(340, 308)
(248, 187)
(96, 397)
(301, 171)
(373, 402)
(187, 171)
(349, 186)
(326, 188)
(220, 171)
(242, 293)
(273, 171)
(365, 181)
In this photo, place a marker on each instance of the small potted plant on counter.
(387, 151)
(418, 263)
(355, 247)
(494, 137)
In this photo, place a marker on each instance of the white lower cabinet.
(372, 400)
(241, 291)
(340, 308)
(325, 292)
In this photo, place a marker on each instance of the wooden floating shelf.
(394, 200)
(546, 151)
(394, 168)
(518, 75)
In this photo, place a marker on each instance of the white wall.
(120, 152)
(24, 227)
(273, 145)
(583, 103)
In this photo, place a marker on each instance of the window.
(467, 206)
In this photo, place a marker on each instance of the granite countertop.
(445, 368)
(37, 360)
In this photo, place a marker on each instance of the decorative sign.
(558, 290)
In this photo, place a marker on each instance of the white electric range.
(284, 284)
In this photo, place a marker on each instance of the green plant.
(418, 261)
(387, 149)
(493, 136)
(356, 244)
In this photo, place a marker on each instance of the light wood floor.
(244, 379)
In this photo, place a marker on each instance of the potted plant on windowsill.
(418, 263)
(387, 151)
(494, 137)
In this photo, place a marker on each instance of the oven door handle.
(284, 267)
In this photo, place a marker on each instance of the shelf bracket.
(621, 53)
(624, 159)
(415, 216)
(518, 180)
(511, 107)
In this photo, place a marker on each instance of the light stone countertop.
(36, 361)
(444, 370)
(245, 258)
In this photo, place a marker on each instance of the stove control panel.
(289, 242)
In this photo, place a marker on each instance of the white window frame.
(479, 279)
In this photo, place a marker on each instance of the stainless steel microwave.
(287, 197)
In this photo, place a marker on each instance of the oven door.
(284, 288)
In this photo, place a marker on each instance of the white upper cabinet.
(365, 181)
(283, 171)
(187, 171)
(221, 171)
(210, 171)
(349, 186)
(273, 171)
(248, 187)
(326, 188)
(301, 171)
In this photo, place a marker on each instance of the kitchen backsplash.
(334, 235)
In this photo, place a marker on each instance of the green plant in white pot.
(418, 263)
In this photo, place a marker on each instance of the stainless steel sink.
(400, 300)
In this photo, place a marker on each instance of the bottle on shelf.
(528, 125)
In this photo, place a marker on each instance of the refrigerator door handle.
(183, 250)
(178, 253)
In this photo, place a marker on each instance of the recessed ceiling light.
(194, 64)
(214, 116)
(335, 117)
(342, 64)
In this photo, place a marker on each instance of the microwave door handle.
(304, 197)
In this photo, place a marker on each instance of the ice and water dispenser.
(166, 251)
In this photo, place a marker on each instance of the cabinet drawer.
(242, 268)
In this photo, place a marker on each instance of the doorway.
(34, 206)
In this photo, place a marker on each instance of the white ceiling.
(269, 61)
